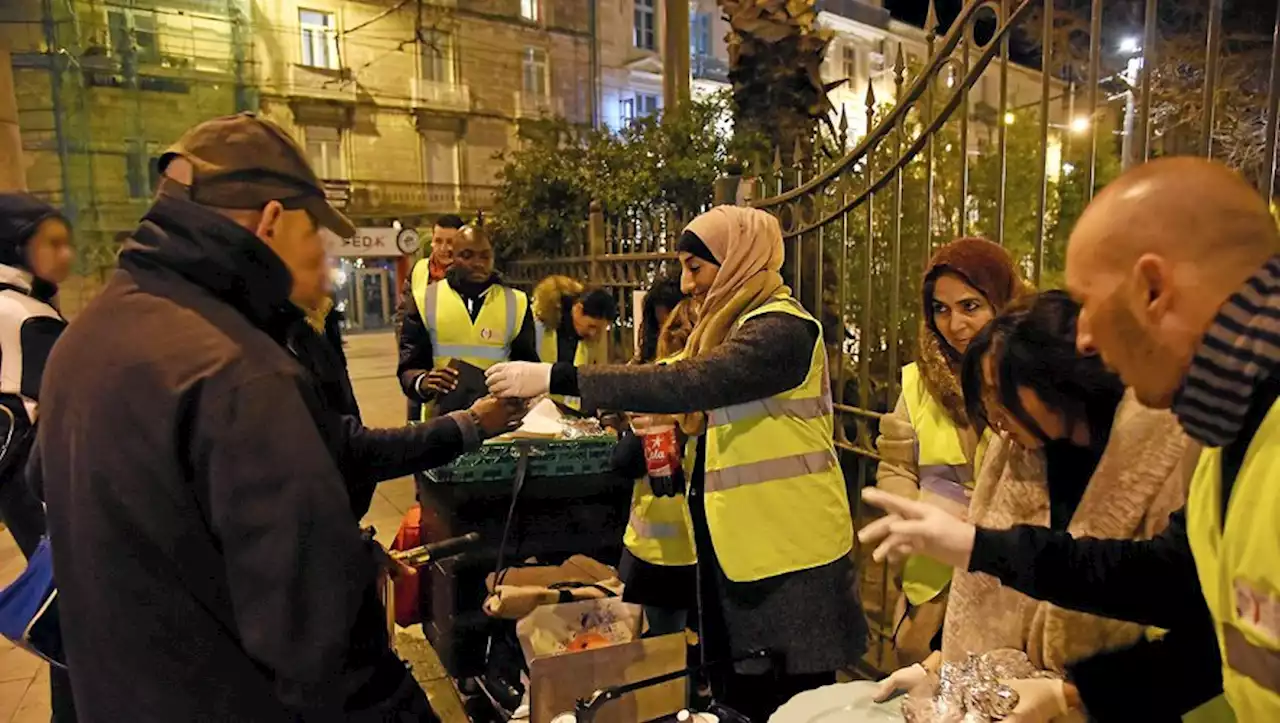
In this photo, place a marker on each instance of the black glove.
(628, 456)
(669, 486)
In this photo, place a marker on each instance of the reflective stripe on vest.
(659, 529)
(481, 343)
(549, 351)
(1239, 569)
(776, 499)
(944, 473)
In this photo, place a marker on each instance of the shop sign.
(368, 241)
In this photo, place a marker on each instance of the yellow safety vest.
(942, 468)
(1239, 569)
(776, 500)
(660, 530)
(482, 343)
(548, 348)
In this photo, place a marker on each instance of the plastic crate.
(496, 461)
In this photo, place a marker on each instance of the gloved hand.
(1039, 700)
(915, 528)
(518, 379)
(901, 680)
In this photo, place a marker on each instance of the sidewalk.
(24, 679)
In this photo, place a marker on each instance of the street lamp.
(1130, 46)
(1008, 119)
(1080, 125)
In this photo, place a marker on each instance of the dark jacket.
(209, 565)
(416, 354)
(369, 456)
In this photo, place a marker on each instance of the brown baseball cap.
(242, 161)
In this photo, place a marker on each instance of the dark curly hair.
(663, 294)
(1032, 345)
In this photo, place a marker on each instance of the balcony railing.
(530, 105)
(307, 82)
(856, 10)
(410, 197)
(445, 96)
(709, 67)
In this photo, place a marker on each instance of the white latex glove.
(915, 528)
(902, 680)
(518, 379)
(1039, 701)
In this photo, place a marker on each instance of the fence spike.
(797, 155)
(777, 159)
(844, 125)
(931, 20)
(871, 98)
(899, 66)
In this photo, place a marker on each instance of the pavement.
(24, 678)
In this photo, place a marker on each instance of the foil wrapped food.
(971, 691)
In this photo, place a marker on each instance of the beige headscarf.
(747, 243)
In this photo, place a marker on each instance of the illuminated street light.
(1080, 125)
(1130, 45)
(1008, 119)
(1068, 169)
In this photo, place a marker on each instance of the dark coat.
(185, 451)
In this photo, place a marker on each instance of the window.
(324, 151)
(319, 39)
(440, 158)
(531, 10)
(646, 21)
(437, 56)
(647, 104)
(626, 110)
(133, 31)
(700, 34)
(535, 72)
(849, 56)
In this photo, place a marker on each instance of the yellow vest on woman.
(481, 343)
(660, 530)
(548, 348)
(943, 467)
(1239, 569)
(776, 500)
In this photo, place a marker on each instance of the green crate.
(496, 461)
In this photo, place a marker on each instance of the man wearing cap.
(470, 316)
(208, 562)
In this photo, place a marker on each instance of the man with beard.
(470, 316)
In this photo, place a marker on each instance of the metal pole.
(1003, 127)
(1211, 76)
(964, 145)
(1046, 66)
(594, 20)
(1095, 63)
(1148, 60)
(1267, 182)
(675, 55)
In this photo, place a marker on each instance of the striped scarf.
(1238, 352)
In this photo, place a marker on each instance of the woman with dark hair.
(35, 256)
(929, 449)
(1067, 432)
(659, 302)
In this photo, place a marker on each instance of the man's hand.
(902, 680)
(439, 381)
(1039, 700)
(496, 416)
(518, 379)
(915, 528)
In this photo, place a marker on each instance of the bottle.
(662, 459)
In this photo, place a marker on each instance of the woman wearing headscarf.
(1068, 433)
(35, 256)
(766, 493)
(928, 448)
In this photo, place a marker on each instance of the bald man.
(1175, 265)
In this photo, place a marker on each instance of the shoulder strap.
(1233, 454)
